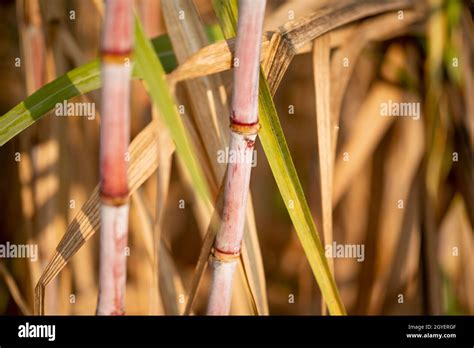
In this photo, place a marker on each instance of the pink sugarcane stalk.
(244, 127)
(114, 140)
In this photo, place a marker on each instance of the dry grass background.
(408, 251)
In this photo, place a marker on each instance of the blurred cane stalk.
(114, 141)
(244, 127)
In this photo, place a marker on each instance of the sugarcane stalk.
(114, 140)
(244, 127)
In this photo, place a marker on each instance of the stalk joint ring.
(223, 256)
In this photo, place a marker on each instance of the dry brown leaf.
(279, 47)
(143, 162)
(322, 79)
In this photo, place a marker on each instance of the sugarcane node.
(244, 128)
(115, 57)
(114, 201)
(223, 256)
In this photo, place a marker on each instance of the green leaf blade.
(75, 82)
(78, 81)
(154, 77)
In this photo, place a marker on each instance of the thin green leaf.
(81, 80)
(78, 81)
(148, 65)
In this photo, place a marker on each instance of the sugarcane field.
(263, 165)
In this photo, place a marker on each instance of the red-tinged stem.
(114, 141)
(244, 128)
